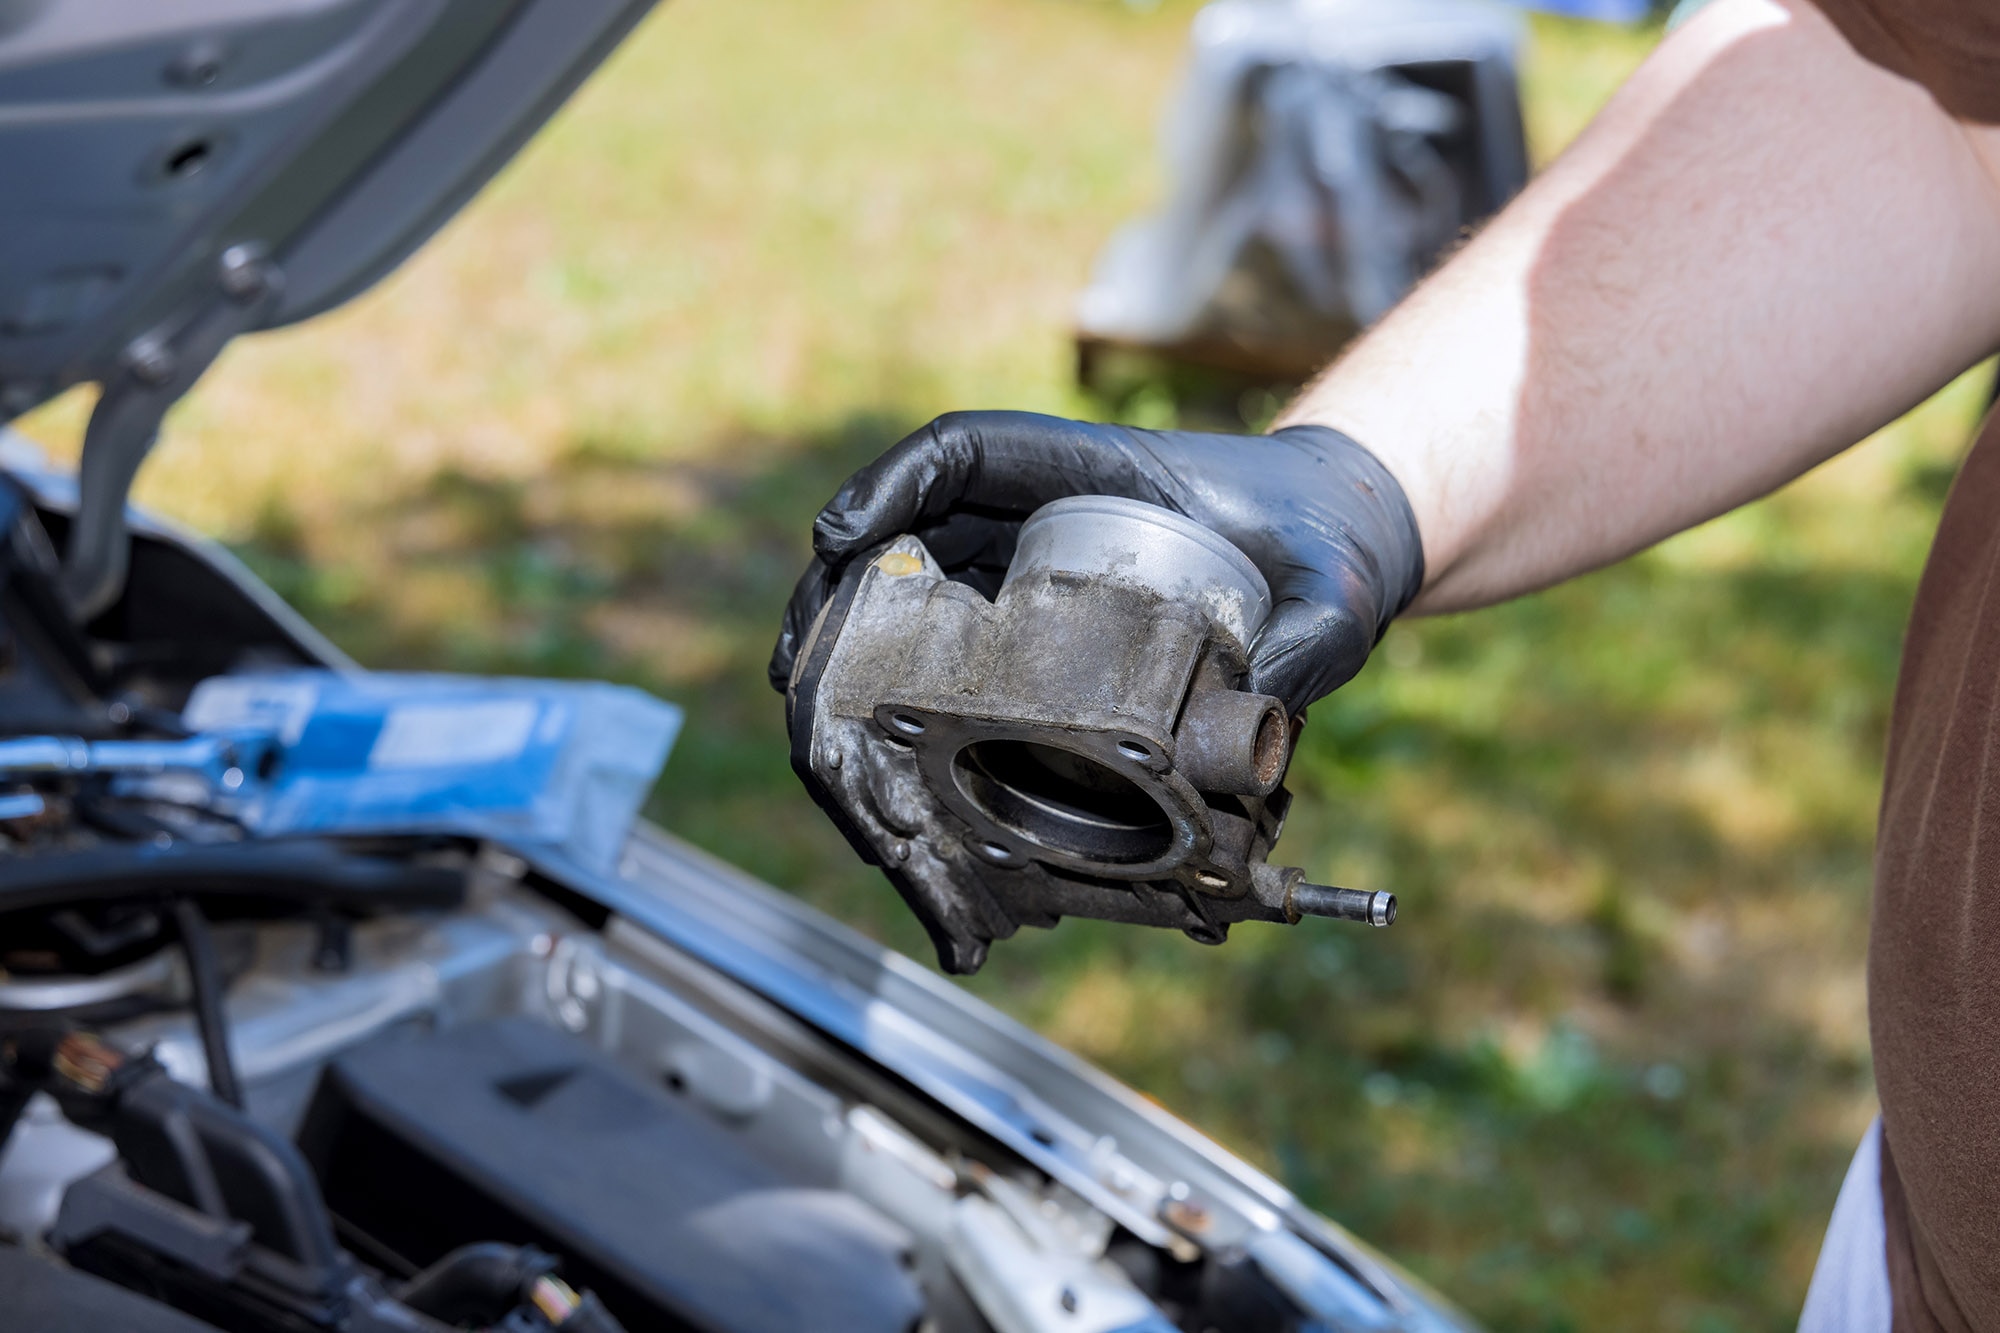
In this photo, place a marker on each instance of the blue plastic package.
(563, 764)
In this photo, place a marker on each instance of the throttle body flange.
(1080, 745)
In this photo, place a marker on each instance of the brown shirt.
(1934, 950)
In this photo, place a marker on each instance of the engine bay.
(426, 1081)
(509, 1075)
(505, 1073)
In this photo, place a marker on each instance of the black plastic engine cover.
(514, 1131)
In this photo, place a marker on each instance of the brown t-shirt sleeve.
(1952, 47)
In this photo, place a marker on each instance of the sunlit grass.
(1606, 1070)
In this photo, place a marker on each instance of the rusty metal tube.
(1232, 742)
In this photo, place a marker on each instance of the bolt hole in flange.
(1064, 801)
(906, 724)
(1134, 750)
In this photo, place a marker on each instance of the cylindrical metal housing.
(1102, 536)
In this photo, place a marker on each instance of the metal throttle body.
(1080, 745)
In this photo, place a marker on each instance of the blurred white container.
(1320, 154)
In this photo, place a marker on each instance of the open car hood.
(181, 171)
(141, 140)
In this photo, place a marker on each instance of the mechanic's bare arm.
(1765, 248)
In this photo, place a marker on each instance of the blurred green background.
(1608, 1068)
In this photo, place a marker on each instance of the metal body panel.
(1092, 1134)
(141, 142)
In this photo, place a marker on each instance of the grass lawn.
(1607, 1069)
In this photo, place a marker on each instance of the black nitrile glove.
(1316, 512)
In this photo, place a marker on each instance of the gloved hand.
(1321, 518)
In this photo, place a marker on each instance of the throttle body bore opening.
(1064, 801)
